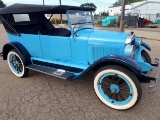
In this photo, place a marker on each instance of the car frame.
(120, 60)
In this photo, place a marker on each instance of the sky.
(102, 5)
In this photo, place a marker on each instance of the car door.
(56, 47)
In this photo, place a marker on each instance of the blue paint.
(30, 42)
(63, 62)
(82, 48)
(127, 51)
(145, 67)
(137, 42)
(119, 103)
(56, 47)
(102, 37)
(79, 46)
(115, 88)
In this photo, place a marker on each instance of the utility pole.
(122, 16)
(60, 14)
(43, 2)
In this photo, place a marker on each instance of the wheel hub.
(114, 88)
(16, 63)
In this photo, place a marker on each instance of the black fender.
(113, 60)
(24, 54)
(146, 46)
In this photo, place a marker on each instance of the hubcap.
(114, 88)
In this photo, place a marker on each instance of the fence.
(131, 21)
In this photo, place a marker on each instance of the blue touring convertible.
(120, 60)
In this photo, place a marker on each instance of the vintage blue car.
(119, 60)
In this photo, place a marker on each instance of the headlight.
(138, 42)
(129, 51)
(130, 38)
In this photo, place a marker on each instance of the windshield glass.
(80, 19)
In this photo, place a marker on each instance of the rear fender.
(20, 49)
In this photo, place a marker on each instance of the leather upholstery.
(56, 32)
(39, 29)
(29, 29)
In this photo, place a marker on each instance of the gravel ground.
(42, 97)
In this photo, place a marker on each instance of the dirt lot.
(42, 97)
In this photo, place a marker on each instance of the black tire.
(16, 64)
(134, 91)
(146, 57)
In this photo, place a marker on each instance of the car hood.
(102, 37)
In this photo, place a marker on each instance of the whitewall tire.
(16, 64)
(117, 87)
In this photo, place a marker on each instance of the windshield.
(80, 19)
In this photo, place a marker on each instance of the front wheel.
(117, 87)
(16, 64)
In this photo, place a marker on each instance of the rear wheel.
(117, 87)
(16, 64)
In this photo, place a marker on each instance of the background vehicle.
(120, 60)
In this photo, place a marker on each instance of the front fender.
(114, 60)
(146, 46)
(145, 67)
(20, 49)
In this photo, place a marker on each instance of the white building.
(117, 10)
(147, 9)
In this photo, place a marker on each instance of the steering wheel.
(81, 23)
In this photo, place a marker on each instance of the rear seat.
(39, 29)
(29, 29)
(56, 32)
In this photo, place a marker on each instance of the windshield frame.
(70, 25)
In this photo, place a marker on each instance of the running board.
(51, 71)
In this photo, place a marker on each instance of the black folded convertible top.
(46, 9)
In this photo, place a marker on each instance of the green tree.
(2, 4)
(104, 13)
(117, 4)
(91, 5)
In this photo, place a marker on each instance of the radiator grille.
(101, 51)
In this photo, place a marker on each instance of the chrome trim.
(130, 38)
(140, 41)
(129, 50)
(152, 88)
(132, 52)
